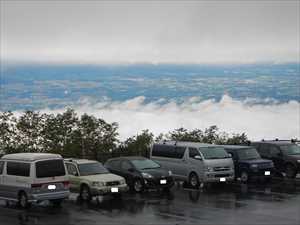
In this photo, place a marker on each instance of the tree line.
(86, 136)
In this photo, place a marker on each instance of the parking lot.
(276, 203)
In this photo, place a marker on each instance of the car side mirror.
(198, 157)
(74, 174)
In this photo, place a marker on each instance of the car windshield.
(91, 169)
(249, 153)
(143, 164)
(290, 149)
(214, 153)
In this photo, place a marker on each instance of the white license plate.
(163, 181)
(222, 179)
(114, 190)
(51, 187)
(267, 173)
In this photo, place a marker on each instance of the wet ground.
(276, 203)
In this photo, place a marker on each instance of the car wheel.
(244, 177)
(85, 194)
(56, 202)
(290, 171)
(23, 200)
(194, 180)
(138, 185)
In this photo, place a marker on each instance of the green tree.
(139, 144)
(96, 136)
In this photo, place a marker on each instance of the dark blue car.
(248, 163)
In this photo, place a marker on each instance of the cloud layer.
(259, 121)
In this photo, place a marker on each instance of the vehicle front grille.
(112, 183)
(221, 168)
(264, 165)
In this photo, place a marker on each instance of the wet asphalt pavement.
(276, 203)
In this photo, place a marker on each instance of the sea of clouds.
(258, 121)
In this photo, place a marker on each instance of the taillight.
(66, 184)
(36, 185)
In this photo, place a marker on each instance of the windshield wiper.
(149, 168)
(214, 158)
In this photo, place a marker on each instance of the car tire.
(85, 193)
(57, 202)
(23, 200)
(194, 180)
(290, 171)
(138, 186)
(245, 177)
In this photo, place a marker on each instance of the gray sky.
(155, 32)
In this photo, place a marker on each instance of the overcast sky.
(157, 32)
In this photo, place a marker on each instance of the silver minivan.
(195, 163)
(33, 177)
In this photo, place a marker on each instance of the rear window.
(18, 169)
(50, 168)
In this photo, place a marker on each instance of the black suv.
(141, 173)
(284, 154)
(248, 163)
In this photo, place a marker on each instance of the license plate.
(114, 190)
(222, 179)
(163, 181)
(267, 173)
(51, 187)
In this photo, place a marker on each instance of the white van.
(195, 163)
(33, 177)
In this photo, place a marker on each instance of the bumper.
(49, 196)
(156, 183)
(218, 177)
(262, 172)
(107, 190)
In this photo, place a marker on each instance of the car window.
(71, 169)
(125, 166)
(50, 168)
(113, 164)
(168, 151)
(86, 169)
(179, 152)
(1, 167)
(193, 152)
(18, 169)
(143, 164)
(274, 151)
(163, 151)
(248, 154)
(264, 149)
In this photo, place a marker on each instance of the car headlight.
(97, 184)
(254, 166)
(170, 173)
(298, 160)
(209, 169)
(147, 175)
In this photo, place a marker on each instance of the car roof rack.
(290, 140)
